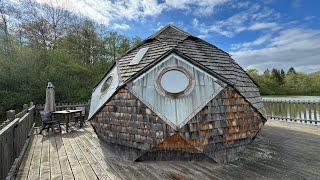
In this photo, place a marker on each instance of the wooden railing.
(15, 136)
(16, 133)
(307, 112)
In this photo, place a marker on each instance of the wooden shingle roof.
(209, 56)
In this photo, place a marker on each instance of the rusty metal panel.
(176, 142)
(176, 111)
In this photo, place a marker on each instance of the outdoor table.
(67, 113)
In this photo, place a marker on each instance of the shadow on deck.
(282, 151)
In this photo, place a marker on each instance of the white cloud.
(299, 48)
(201, 7)
(195, 22)
(308, 18)
(253, 18)
(240, 4)
(296, 3)
(261, 40)
(120, 26)
(263, 25)
(107, 12)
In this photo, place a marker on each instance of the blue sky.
(258, 34)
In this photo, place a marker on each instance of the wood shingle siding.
(220, 130)
(125, 120)
(227, 122)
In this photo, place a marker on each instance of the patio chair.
(47, 121)
(79, 117)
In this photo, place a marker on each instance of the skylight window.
(137, 58)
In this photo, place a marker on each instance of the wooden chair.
(47, 121)
(79, 117)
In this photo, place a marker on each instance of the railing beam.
(293, 110)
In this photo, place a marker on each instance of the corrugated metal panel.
(176, 111)
(98, 98)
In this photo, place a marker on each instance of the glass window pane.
(106, 84)
(174, 81)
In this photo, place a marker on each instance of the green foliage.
(75, 64)
(24, 75)
(291, 83)
(39, 43)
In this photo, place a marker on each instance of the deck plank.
(26, 162)
(55, 168)
(96, 166)
(90, 140)
(34, 172)
(282, 151)
(45, 159)
(85, 165)
(74, 163)
(63, 158)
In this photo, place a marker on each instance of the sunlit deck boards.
(282, 151)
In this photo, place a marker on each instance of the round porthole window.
(174, 81)
(106, 84)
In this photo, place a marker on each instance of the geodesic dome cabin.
(175, 96)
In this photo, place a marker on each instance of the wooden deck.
(283, 151)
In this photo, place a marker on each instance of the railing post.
(25, 106)
(11, 114)
(315, 112)
(302, 111)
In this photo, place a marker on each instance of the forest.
(279, 82)
(39, 43)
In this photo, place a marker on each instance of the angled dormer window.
(106, 84)
(140, 54)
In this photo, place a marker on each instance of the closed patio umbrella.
(50, 104)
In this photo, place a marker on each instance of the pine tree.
(291, 71)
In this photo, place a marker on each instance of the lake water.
(296, 98)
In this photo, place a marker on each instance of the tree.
(275, 74)
(43, 24)
(253, 73)
(292, 83)
(291, 71)
(6, 10)
(4, 20)
(266, 72)
(135, 41)
(111, 43)
(124, 45)
(83, 42)
(116, 45)
(282, 74)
